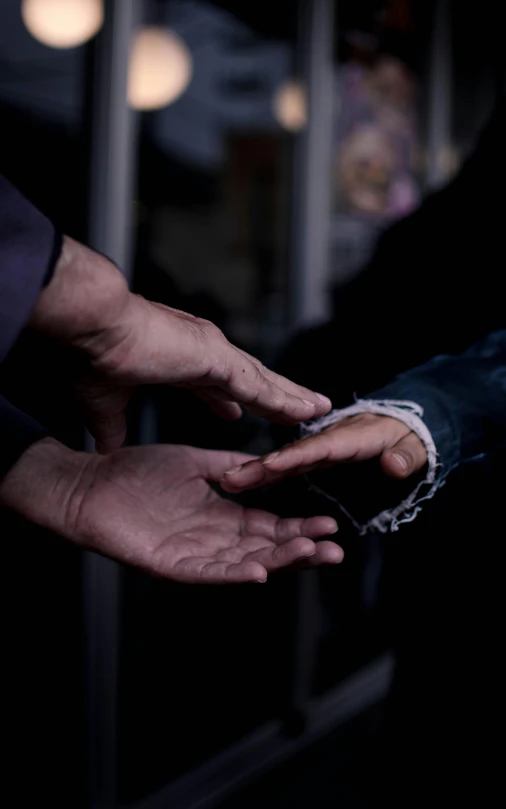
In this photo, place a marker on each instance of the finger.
(278, 529)
(104, 409)
(286, 528)
(250, 543)
(298, 553)
(235, 554)
(316, 527)
(259, 477)
(244, 476)
(211, 464)
(109, 432)
(275, 557)
(230, 411)
(205, 570)
(404, 458)
(252, 386)
(356, 440)
(322, 403)
(327, 553)
(302, 456)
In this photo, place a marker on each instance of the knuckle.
(207, 329)
(249, 384)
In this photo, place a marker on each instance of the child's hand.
(358, 438)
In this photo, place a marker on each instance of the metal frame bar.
(111, 180)
(113, 137)
(310, 267)
(207, 786)
(440, 102)
(313, 161)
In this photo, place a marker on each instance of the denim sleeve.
(457, 407)
(463, 399)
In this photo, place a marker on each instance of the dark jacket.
(29, 249)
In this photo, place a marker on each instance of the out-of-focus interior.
(270, 175)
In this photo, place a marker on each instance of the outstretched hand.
(154, 508)
(124, 341)
(358, 438)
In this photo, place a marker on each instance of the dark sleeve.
(29, 248)
(17, 432)
(457, 407)
(463, 399)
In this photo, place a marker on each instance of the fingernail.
(311, 404)
(302, 559)
(261, 581)
(234, 471)
(401, 460)
(324, 399)
(335, 530)
(270, 458)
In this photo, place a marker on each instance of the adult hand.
(153, 507)
(358, 438)
(127, 341)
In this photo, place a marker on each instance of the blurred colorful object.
(62, 23)
(290, 106)
(378, 138)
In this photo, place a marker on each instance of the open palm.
(153, 507)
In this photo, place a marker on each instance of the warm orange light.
(160, 68)
(290, 106)
(62, 23)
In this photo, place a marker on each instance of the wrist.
(45, 485)
(84, 296)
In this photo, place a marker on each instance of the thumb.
(109, 435)
(404, 458)
(105, 414)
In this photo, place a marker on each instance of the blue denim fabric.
(463, 397)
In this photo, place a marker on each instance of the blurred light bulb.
(290, 106)
(160, 68)
(62, 23)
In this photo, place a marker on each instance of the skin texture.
(122, 341)
(153, 508)
(358, 438)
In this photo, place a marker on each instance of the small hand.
(126, 341)
(153, 507)
(357, 438)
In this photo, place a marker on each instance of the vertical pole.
(111, 185)
(113, 137)
(307, 632)
(310, 251)
(313, 164)
(440, 97)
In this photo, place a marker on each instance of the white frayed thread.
(410, 413)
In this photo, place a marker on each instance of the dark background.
(202, 668)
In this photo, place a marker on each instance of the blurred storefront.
(294, 138)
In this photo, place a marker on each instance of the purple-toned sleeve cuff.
(29, 249)
(17, 432)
